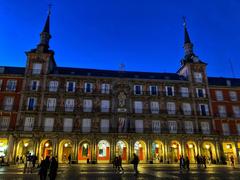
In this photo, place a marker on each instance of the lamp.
(228, 146)
(26, 144)
(157, 145)
(190, 146)
(207, 146)
(140, 145)
(174, 146)
(47, 144)
(66, 145)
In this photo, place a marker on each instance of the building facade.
(98, 114)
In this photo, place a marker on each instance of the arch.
(229, 151)
(103, 151)
(46, 149)
(24, 147)
(4, 147)
(191, 151)
(174, 151)
(65, 150)
(140, 150)
(122, 150)
(208, 150)
(84, 151)
(157, 151)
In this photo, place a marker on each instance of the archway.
(229, 151)
(140, 150)
(103, 152)
(208, 150)
(46, 148)
(191, 151)
(24, 147)
(3, 147)
(157, 152)
(65, 150)
(174, 151)
(84, 152)
(122, 150)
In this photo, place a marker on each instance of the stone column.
(10, 148)
(219, 151)
(198, 148)
(55, 147)
(166, 160)
(149, 152)
(75, 150)
(183, 147)
(237, 153)
(93, 150)
(112, 149)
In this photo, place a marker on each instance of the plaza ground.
(105, 171)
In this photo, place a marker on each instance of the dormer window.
(37, 67)
(198, 77)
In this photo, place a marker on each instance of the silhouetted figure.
(53, 169)
(17, 160)
(187, 162)
(120, 168)
(232, 161)
(181, 163)
(135, 162)
(69, 159)
(44, 168)
(204, 161)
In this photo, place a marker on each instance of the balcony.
(9, 108)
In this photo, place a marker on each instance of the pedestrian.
(181, 163)
(120, 164)
(232, 161)
(53, 169)
(21, 159)
(43, 169)
(69, 159)
(187, 162)
(17, 160)
(29, 163)
(116, 164)
(34, 159)
(204, 161)
(135, 162)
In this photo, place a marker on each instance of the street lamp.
(157, 145)
(47, 144)
(174, 146)
(26, 144)
(66, 145)
(228, 146)
(207, 146)
(190, 146)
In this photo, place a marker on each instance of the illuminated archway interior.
(140, 150)
(157, 151)
(103, 151)
(65, 149)
(121, 150)
(84, 152)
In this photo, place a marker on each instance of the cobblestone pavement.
(106, 172)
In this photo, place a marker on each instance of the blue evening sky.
(145, 35)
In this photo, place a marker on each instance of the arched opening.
(229, 152)
(121, 150)
(174, 151)
(24, 147)
(65, 150)
(140, 150)
(46, 148)
(208, 150)
(103, 152)
(3, 148)
(191, 151)
(84, 152)
(157, 152)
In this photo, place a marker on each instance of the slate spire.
(188, 46)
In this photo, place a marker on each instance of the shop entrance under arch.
(103, 151)
(65, 151)
(84, 152)
(122, 150)
(209, 151)
(157, 152)
(229, 152)
(46, 149)
(140, 150)
(174, 152)
(191, 151)
(24, 147)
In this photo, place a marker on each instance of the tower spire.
(188, 46)
(45, 34)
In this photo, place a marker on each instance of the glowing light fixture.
(26, 144)
(85, 145)
(157, 145)
(228, 146)
(139, 145)
(190, 146)
(66, 145)
(207, 146)
(174, 146)
(47, 144)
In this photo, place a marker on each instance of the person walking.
(53, 169)
(135, 162)
(232, 161)
(120, 168)
(187, 162)
(181, 162)
(17, 160)
(69, 159)
(43, 169)
(204, 160)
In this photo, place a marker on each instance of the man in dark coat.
(135, 162)
(53, 169)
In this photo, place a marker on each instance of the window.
(87, 105)
(53, 86)
(138, 106)
(105, 104)
(169, 90)
(4, 123)
(201, 92)
(31, 104)
(104, 125)
(70, 86)
(203, 108)
(105, 88)
(172, 126)
(184, 92)
(51, 104)
(198, 77)
(8, 103)
(219, 95)
(222, 111)
(1, 82)
(48, 124)
(233, 95)
(238, 129)
(137, 89)
(188, 127)
(34, 85)
(205, 127)
(171, 108)
(154, 107)
(156, 126)
(67, 124)
(11, 85)
(225, 129)
(236, 111)
(153, 90)
(86, 125)
(29, 123)
(138, 126)
(186, 109)
(88, 87)
(37, 67)
(69, 105)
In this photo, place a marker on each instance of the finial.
(184, 21)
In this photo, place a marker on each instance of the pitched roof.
(222, 81)
(12, 70)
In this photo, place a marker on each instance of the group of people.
(48, 167)
(184, 163)
(117, 164)
(201, 161)
(29, 162)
